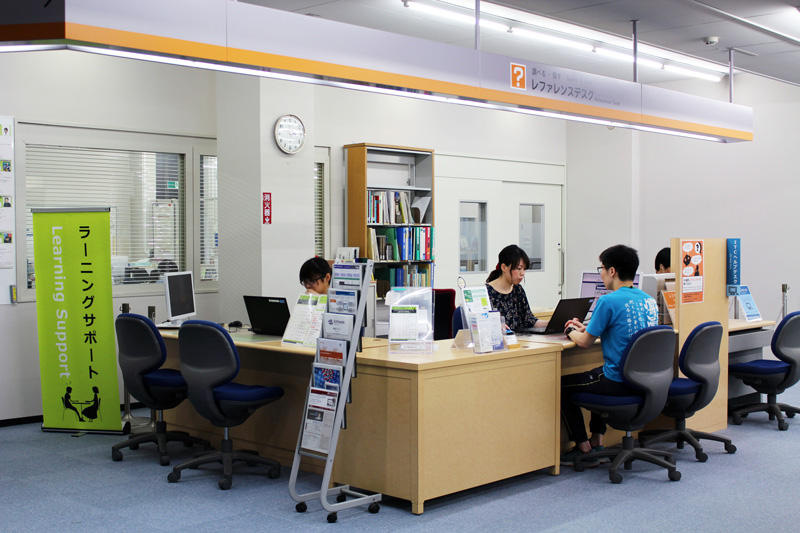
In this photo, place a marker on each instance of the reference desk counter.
(272, 429)
(425, 425)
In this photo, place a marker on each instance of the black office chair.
(210, 362)
(141, 354)
(699, 361)
(458, 321)
(444, 303)
(773, 377)
(647, 369)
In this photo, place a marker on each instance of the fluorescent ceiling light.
(628, 58)
(693, 73)
(552, 39)
(29, 47)
(573, 31)
(454, 16)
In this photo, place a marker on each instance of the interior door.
(531, 218)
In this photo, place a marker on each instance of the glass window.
(531, 233)
(472, 236)
(209, 219)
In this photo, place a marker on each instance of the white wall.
(70, 88)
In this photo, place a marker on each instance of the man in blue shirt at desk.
(617, 317)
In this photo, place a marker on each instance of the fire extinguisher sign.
(267, 208)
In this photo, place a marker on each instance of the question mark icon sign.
(517, 76)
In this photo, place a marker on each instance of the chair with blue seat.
(772, 377)
(458, 321)
(699, 362)
(210, 363)
(647, 368)
(141, 354)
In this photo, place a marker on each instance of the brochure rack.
(344, 495)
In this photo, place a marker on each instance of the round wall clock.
(290, 133)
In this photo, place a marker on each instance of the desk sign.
(75, 320)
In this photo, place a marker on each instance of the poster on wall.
(691, 271)
(75, 320)
(7, 220)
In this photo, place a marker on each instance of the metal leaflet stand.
(342, 491)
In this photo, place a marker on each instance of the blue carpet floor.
(57, 482)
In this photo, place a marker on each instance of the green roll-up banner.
(75, 319)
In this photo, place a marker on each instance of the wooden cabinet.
(390, 212)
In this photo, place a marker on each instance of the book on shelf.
(421, 203)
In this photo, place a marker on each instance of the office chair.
(699, 361)
(141, 354)
(646, 368)
(210, 362)
(458, 321)
(444, 303)
(773, 377)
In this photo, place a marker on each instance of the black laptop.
(566, 309)
(268, 315)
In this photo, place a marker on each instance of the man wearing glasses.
(315, 276)
(617, 317)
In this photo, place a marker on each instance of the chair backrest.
(208, 359)
(458, 321)
(786, 346)
(699, 361)
(141, 350)
(444, 302)
(648, 367)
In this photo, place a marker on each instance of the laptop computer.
(567, 308)
(268, 315)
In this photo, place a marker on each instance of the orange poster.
(691, 271)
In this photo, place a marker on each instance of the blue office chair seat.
(210, 363)
(142, 352)
(237, 392)
(773, 377)
(699, 360)
(760, 367)
(647, 371)
(165, 377)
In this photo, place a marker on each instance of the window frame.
(83, 137)
(485, 236)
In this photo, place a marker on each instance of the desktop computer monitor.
(180, 295)
(592, 286)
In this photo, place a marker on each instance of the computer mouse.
(235, 324)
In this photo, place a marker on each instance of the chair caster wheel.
(674, 475)
(701, 456)
(578, 467)
(374, 507)
(134, 446)
(730, 448)
(790, 414)
(341, 497)
(224, 483)
(274, 472)
(174, 477)
(736, 420)
(614, 477)
(116, 455)
(164, 460)
(332, 518)
(783, 425)
(301, 507)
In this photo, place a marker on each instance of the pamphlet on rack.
(328, 377)
(487, 331)
(343, 301)
(347, 275)
(331, 351)
(337, 326)
(305, 322)
(747, 305)
(403, 323)
(320, 416)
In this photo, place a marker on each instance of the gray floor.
(54, 481)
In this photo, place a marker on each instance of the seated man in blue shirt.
(617, 317)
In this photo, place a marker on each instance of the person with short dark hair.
(505, 292)
(663, 261)
(617, 317)
(315, 275)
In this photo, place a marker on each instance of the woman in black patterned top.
(505, 292)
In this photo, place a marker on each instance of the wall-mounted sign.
(267, 208)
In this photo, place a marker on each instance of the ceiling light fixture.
(571, 33)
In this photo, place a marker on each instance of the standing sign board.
(75, 319)
(691, 271)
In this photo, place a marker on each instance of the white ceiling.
(679, 25)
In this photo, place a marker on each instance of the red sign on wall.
(267, 208)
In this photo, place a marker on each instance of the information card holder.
(410, 319)
(345, 496)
